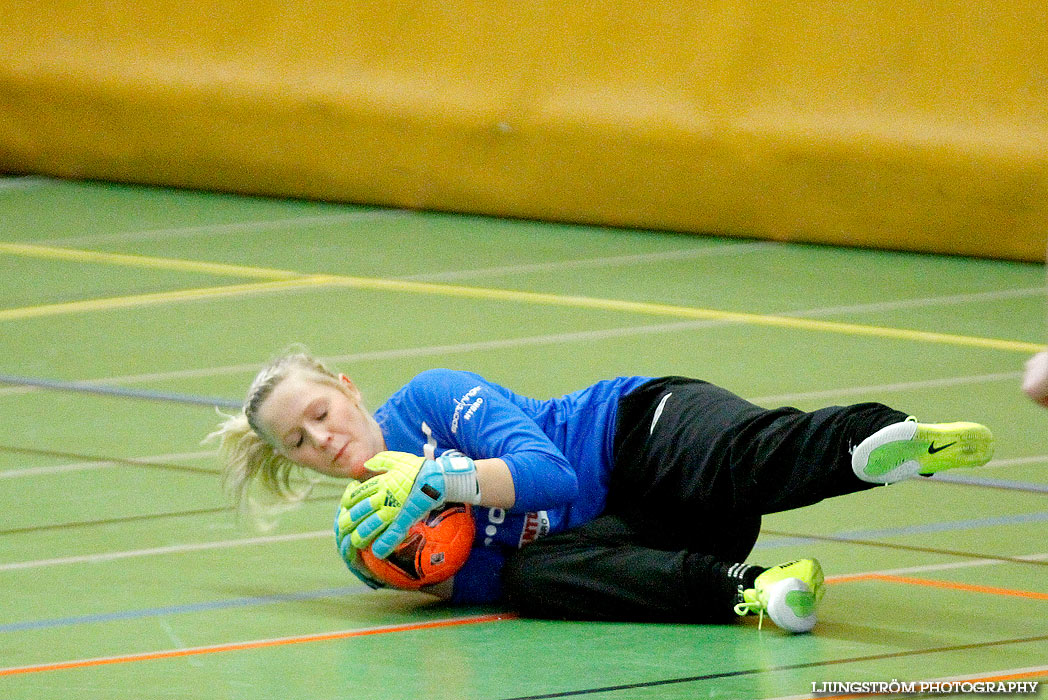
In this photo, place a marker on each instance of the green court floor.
(125, 574)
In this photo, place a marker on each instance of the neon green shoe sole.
(906, 449)
(789, 593)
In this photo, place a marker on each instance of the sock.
(745, 574)
(739, 576)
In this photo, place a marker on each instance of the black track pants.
(695, 469)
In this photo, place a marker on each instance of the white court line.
(237, 227)
(94, 465)
(177, 641)
(877, 307)
(1016, 461)
(100, 464)
(639, 258)
(547, 339)
(897, 386)
(402, 353)
(965, 564)
(156, 551)
(841, 392)
(273, 539)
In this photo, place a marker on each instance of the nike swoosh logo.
(658, 412)
(932, 449)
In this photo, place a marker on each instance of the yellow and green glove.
(380, 510)
(351, 555)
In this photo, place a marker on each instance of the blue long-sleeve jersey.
(559, 452)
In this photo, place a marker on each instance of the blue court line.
(357, 590)
(181, 609)
(90, 388)
(992, 483)
(911, 530)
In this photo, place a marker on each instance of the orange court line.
(848, 578)
(346, 634)
(994, 590)
(1036, 673)
(256, 644)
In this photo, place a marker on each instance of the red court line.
(933, 583)
(1036, 673)
(256, 644)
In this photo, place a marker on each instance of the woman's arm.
(464, 411)
(496, 483)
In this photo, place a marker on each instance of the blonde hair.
(249, 455)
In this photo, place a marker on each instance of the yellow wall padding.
(900, 124)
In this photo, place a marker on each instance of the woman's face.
(321, 426)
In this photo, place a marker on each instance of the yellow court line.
(157, 298)
(687, 312)
(297, 280)
(144, 261)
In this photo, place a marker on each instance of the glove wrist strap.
(460, 480)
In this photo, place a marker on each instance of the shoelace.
(745, 608)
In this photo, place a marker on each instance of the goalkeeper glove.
(351, 555)
(407, 487)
